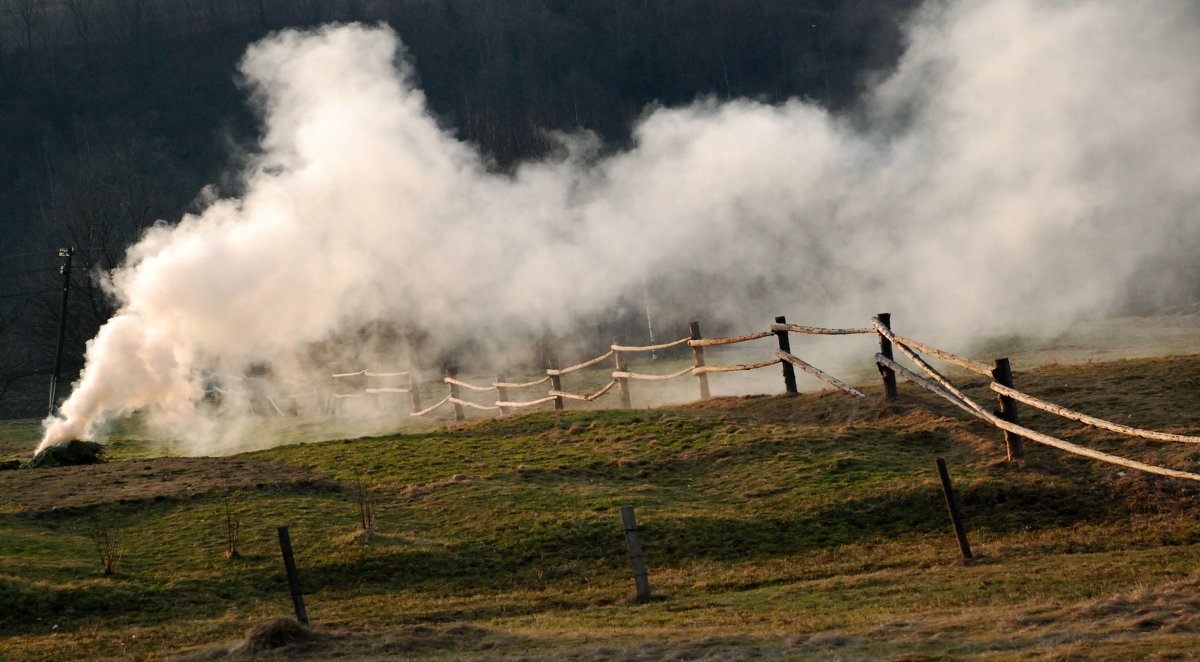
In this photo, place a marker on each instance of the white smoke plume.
(1025, 160)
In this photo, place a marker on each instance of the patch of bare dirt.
(42, 490)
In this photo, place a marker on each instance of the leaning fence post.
(698, 356)
(785, 345)
(289, 564)
(555, 381)
(885, 348)
(622, 382)
(637, 557)
(502, 395)
(952, 506)
(414, 392)
(1013, 443)
(459, 414)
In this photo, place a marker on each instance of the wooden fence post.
(698, 355)
(785, 345)
(289, 564)
(885, 348)
(1013, 443)
(952, 506)
(459, 414)
(637, 557)
(414, 392)
(555, 382)
(622, 382)
(502, 395)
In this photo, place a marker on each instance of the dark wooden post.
(785, 344)
(555, 382)
(698, 356)
(502, 395)
(622, 382)
(952, 506)
(637, 557)
(885, 348)
(459, 414)
(1014, 443)
(289, 564)
(414, 392)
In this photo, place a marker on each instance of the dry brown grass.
(40, 490)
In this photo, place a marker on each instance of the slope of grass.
(804, 527)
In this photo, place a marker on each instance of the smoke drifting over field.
(1026, 159)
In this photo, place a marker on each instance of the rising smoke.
(1028, 160)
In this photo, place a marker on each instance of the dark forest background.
(116, 113)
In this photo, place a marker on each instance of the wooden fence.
(1005, 418)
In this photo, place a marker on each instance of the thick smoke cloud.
(1026, 160)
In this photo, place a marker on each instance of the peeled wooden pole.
(785, 345)
(698, 356)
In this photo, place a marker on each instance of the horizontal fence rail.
(819, 374)
(648, 348)
(1090, 420)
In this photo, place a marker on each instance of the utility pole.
(65, 269)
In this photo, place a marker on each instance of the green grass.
(803, 527)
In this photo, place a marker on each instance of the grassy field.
(809, 527)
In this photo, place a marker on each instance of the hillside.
(810, 527)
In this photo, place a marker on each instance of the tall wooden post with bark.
(698, 357)
(1013, 443)
(502, 395)
(621, 366)
(785, 345)
(459, 414)
(555, 382)
(885, 348)
(414, 392)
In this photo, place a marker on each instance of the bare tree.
(233, 524)
(81, 19)
(104, 530)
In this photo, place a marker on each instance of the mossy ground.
(786, 527)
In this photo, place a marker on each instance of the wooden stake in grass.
(952, 506)
(637, 557)
(289, 564)
(105, 534)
